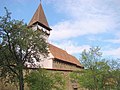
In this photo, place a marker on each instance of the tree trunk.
(21, 80)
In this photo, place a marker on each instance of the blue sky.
(76, 24)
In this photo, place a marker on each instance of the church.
(58, 59)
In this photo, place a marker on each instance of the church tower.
(39, 22)
(58, 60)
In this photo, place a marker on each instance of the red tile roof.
(39, 17)
(63, 55)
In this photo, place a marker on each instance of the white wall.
(44, 62)
(47, 62)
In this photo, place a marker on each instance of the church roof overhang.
(37, 22)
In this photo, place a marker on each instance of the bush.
(44, 80)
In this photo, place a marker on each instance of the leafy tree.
(95, 71)
(45, 80)
(19, 44)
(98, 73)
(89, 59)
(115, 73)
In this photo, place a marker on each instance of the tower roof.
(40, 18)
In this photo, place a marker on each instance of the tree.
(115, 73)
(99, 73)
(19, 44)
(45, 80)
(96, 69)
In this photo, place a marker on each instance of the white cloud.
(113, 52)
(71, 47)
(87, 17)
(85, 8)
(70, 29)
(117, 34)
(113, 40)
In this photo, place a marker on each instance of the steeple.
(39, 18)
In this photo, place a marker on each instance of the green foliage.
(45, 80)
(115, 73)
(39, 80)
(95, 78)
(90, 58)
(99, 74)
(19, 44)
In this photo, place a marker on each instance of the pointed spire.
(40, 18)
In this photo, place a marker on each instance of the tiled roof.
(39, 17)
(63, 55)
